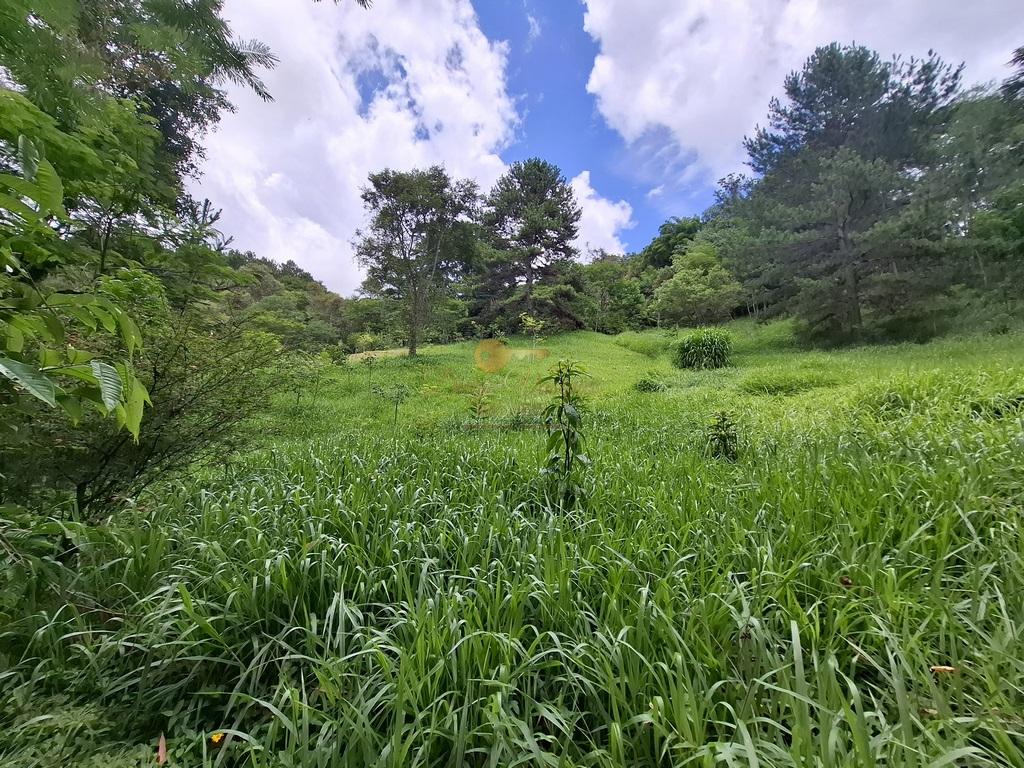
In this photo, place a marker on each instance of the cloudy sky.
(642, 103)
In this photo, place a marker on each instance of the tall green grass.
(405, 597)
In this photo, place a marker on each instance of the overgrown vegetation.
(845, 589)
(223, 541)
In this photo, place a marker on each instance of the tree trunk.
(852, 290)
(414, 333)
(414, 323)
(529, 283)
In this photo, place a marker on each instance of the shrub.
(706, 348)
(649, 384)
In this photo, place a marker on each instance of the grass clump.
(707, 348)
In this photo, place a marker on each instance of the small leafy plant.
(480, 403)
(565, 460)
(723, 437)
(704, 349)
(396, 394)
(533, 326)
(649, 383)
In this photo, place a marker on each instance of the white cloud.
(602, 219)
(683, 82)
(407, 84)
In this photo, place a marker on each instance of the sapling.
(565, 445)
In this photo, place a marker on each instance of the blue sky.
(642, 103)
(549, 64)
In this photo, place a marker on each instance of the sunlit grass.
(356, 593)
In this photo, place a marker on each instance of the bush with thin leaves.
(703, 349)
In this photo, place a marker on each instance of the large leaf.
(17, 207)
(134, 405)
(130, 333)
(110, 383)
(51, 190)
(31, 379)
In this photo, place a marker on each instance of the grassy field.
(390, 588)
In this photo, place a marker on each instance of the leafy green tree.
(701, 291)
(532, 217)
(42, 330)
(673, 237)
(172, 57)
(617, 299)
(846, 96)
(839, 206)
(418, 241)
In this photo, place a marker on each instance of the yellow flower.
(217, 738)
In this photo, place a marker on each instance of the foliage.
(418, 240)
(565, 459)
(649, 384)
(205, 382)
(1013, 88)
(703, 349)
(532, 327)
(172, 58)
(700, 291)
(616, 301)
(723, 437)
(480, 402)
(531, 218)
(673, 238)
(812, 576)
(43, 356)
(872, 179)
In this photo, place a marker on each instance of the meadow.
(382, 580)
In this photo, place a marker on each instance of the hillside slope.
(382, 591)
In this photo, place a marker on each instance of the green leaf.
(130, 333)
(49, 357)
(16, 206)
(79, 371)
(72, 407)
(134, 406)
(105, 318)
(15, 339)
(51, 190)
(28, 157)
(110, 383)
(31, 379)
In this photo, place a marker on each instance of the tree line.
(883, 202)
